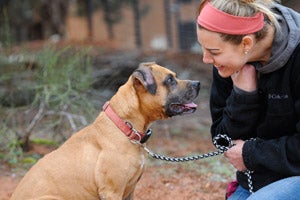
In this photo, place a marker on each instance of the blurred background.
(127, 24)
(60, 60)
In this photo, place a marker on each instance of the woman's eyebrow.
(209, 49)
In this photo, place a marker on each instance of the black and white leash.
(221, 142)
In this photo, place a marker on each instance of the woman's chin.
(223, 71)
(223, 74)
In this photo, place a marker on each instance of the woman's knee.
(285, 189)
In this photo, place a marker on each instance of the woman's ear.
(247, 42)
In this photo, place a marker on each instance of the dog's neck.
(126, 127)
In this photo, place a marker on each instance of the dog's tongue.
(183, 108)
(191, 105)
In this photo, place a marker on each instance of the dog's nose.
(196, 85)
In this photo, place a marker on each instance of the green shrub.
(60, 83)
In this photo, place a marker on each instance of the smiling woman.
(254, 47)
(227, 58)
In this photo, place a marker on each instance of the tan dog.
(100, 161)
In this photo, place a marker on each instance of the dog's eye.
(170, 80)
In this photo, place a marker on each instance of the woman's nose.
(207, 59)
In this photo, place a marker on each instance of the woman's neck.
(262, 50)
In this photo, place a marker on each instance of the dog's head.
(161, 92)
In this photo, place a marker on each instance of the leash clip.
(147, 136)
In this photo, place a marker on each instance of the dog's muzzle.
(183, 103)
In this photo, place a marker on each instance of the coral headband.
(218, 21)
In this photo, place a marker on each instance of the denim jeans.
(285, 189)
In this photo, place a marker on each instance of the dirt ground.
(183, 135)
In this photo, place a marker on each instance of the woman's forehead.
(209, 39)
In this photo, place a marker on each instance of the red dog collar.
(124, 126)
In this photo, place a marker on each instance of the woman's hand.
(234, 155)
(245, 79)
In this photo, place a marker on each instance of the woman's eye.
(213, 53)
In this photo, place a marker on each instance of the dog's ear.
(142, 77)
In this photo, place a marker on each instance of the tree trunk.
(137, 27)
(107, 17)
(168, 23)
(89, 15)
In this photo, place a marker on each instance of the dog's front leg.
(130, 197)
(111, 191)
(110, 197)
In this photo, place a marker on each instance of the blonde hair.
(246, 8)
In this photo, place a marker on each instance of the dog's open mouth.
(183, 108)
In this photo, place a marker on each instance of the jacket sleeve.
(233, 113)
(280, 155)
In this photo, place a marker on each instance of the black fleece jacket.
(272, 116)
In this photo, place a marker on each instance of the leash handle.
(223, 142)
